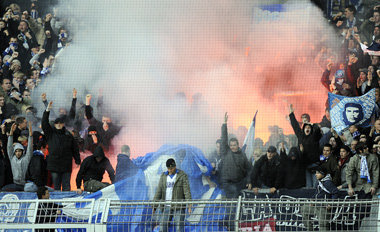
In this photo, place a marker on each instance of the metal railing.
(275, 214)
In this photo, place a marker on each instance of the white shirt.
(170, 181)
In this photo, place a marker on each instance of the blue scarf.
(364, 173)
(355, 134)
(323, 158)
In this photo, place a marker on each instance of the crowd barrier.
(261, 213)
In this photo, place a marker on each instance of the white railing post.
(237, 215)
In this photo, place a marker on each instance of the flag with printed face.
(249, 139)
(347, 111)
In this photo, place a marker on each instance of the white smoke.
(169, 69)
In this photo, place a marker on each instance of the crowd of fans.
(349, 160)
(36, 152)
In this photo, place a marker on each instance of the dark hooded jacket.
(331, 166)
(267, 172)
(310, 142)
(37, 172)
(293, 169)
(62, 147)
(91, 169)
(125, 167)
(89, 143)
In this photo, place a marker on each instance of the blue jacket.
(332, 191)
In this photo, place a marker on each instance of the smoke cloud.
(170, 69)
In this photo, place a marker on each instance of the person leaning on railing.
(366, 167)
(324, 190)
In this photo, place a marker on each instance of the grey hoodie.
(19, 166)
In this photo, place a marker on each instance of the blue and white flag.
(249, 139)
(347, 111)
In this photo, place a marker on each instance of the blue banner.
(347, 111)
(141, 187)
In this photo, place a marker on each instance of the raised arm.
(29, 149)
(224, 137)
(88, 112)
(10, 141)
(46, 128)
(293, 121)
(325, 77)
(73, 105)
(283, 156)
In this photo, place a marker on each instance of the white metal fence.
(281, 214)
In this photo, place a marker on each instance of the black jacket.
(47, 213)
(331, 166)
(235, 166)
(91, 169)
(62, 147)
(6, 176)
(267, 172)
(293, 169)
(310, 142)
(37, 172)
(105, 136)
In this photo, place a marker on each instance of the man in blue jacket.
(324, 190)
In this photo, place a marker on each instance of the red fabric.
(266, 225)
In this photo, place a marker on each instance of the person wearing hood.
(62, 148)
(341, 82)
(125, 167)
(267, 172)
(309, 137)
(92, 140)
(324, 190)
(92, 170)
(294, 168)
(19, 160)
